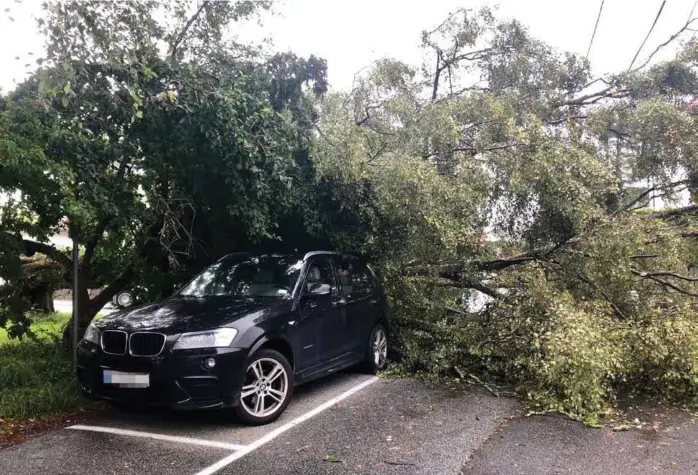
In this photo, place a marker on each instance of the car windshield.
(269, 276)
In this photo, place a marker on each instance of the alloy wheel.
(380, 348)
(265, 387)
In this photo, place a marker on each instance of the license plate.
(126, 380)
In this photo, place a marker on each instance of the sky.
(351, 34)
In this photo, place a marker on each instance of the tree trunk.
(42, 298)
(88, 308)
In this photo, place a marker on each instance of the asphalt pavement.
(348, 423)
(353, 423)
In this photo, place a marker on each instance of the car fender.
(266, 338)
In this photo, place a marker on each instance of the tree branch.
(674, 212)
(466, 283)
(665, 273)
(180, 37)
(437, 74)
(32, 247)
(91, 244)
(645, 193)
(112, 289)
(664, 283)
(565, 119)
(666, 43)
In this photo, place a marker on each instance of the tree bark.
(88, 308)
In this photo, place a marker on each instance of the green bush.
(36, 379)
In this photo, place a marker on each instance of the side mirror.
(319, 290)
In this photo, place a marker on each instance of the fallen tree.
(508, 170)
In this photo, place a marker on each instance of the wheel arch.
(278, 343)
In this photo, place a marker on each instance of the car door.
(320, 317)
(357, 286)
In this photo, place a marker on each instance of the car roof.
(303, 257)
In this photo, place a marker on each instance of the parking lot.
(349, 423)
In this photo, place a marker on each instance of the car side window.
(354, 278)
(320, 272)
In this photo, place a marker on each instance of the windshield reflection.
(266, 276)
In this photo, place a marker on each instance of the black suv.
(241, 334)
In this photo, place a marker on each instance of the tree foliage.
(501, 167)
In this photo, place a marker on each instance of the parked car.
(241, 334)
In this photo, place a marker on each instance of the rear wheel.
(377, 351)
(267, 388)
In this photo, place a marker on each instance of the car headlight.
(220, 337)
(91, 334)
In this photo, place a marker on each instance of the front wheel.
(377, 351)
(267, 388)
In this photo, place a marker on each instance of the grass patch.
(36, 375)
(36, 379)
(45, 326)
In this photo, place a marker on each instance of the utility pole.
(76, 268)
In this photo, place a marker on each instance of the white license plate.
(126, 380)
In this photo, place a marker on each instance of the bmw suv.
(241, 334)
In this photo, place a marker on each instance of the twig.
(483, 384)
(180, 37)
(644, 256)
(671, 38)
(664, 283)
(391, 462)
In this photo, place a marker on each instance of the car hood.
(186, 314)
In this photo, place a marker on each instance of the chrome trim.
(164, 342)
(101, 342)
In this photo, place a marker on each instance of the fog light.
(210, 363)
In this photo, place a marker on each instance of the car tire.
(263, 399)
(377, 350)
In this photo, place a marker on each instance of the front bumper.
(177, 379)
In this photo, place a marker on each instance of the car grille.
(114, 342)
(146, 344)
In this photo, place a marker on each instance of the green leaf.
(139, 114)
(331, 459)
(65, 101)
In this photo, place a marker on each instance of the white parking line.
(168, 438)
(275, 433)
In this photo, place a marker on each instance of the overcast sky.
(352, 33)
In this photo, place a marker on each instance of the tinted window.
(320, 272)
(246, 277)
(354, 277)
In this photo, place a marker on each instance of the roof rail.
(232, 254)
(319, 253)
